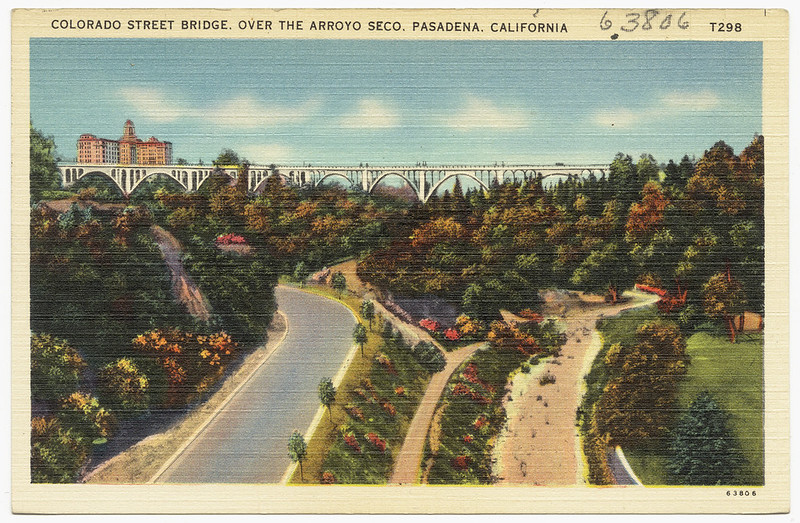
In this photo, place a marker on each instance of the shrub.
(451, 334)
(328, 478)
(526, 368)
(57, 453)
(82, 412)
(429, 356)
(124, 386)
(376, 441)
(56, 368)
(461, 462)
(469, 327)
(430, 325)
(547, 378)
(351, 441)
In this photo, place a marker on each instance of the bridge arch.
(399, 174)
(259, 185)
(180, 176)
(438, 184)
(81, 174)
(332, 174)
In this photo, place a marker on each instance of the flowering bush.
(384, 361)
(354, 412)
(461, 462)
(651, 289)
(470, 374)
(430, 325)
(400, 391)
(479, 422)
(328, 478)
(469, 327)
(190, 362)
(350, 440)
(231, 239)
(461, 389)
(468, 438)
(376, 441)
(451, 334)
(389, 408)
(509, 337)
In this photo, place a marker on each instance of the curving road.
(246, 442)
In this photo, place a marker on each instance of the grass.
(469, 424)
(326, 448)
(732, 373)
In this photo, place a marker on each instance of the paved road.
(246, 442)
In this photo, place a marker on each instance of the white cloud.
(616, 118)
(479, 113)
(372, 114)
(688, 101)
(264, 154)
(666, 106)
(243, 112)
(152, 103)
(247, 112)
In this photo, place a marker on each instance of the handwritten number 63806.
(644, 21)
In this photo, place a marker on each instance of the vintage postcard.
(400, 261)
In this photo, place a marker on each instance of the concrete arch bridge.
(424, 180)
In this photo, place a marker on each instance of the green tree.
(44, 171)
(723, 298)
(227, 157)
(300, 273)
(339, 283)
(368, 312)
(327, 395)
(56, 368)
(360, 336)
(297, 449)
(604, 270)
(704, 450)
(638, 401)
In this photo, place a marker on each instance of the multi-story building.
(128, 150)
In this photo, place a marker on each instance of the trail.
(407, 462)
(184, 289)
(538, 445)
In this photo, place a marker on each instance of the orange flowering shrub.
(191, 362)
(509, 337)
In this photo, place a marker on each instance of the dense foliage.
(704, 449)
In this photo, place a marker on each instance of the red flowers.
(451, 334)
(480, 421)
(376, 441)
(430, 325)
(649, 288)
(400, 391)
(468, 438)
(350, 440)
(231, 239)
(461, 462)
(328, 478)
(462, 390)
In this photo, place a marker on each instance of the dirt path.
(538, 444)
(406, 465)
(184, 289)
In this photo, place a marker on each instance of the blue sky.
(393, 102)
